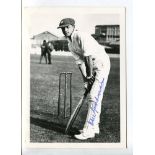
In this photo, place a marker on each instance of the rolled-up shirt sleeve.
(78, 61)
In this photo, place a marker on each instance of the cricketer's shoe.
(86, 134)
(95, 129)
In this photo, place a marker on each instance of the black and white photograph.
(74, 77)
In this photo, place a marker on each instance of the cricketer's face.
(67, 30)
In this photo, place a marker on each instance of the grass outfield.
(45, 126)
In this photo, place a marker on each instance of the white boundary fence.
(64, 53)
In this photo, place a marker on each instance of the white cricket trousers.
(95, 98)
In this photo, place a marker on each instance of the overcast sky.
(40, 20)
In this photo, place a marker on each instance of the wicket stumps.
(66, 75)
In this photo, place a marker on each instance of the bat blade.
(77, 109)
(75, 113)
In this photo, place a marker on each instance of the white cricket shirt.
(82, 45)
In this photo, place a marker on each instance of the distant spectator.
(50, 48)
(43, 51)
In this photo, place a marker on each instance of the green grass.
(45, 126)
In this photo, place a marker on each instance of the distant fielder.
(91, 58)
(43, 51)
(50, 48)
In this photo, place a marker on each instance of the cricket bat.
(76, 111)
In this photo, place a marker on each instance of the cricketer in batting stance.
(90, 57)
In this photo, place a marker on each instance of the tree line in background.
(62, 45)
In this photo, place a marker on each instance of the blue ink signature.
(94, 106)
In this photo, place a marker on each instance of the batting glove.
(91, 80)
